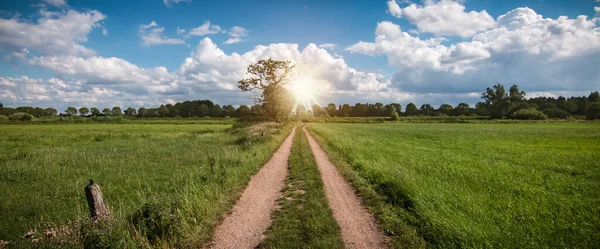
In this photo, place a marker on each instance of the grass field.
(475, 185)
(304, 219)
(44, 168)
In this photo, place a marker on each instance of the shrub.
(3, 117)
(593, 111)
(158, 221)
(394, 115)
(557, 113)
(21, 116)
(529, 114)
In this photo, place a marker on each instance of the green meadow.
(156, 176)
(474, 185)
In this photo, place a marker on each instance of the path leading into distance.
(357, 224)
(251, 214)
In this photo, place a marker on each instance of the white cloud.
(538, 54)
(180, 31)
(152, 34)
(53, 33)
(236, 34)
(57, 3)
(168, 2)
(443, 18)
(206, 29)
(104, 31)
(328, 45)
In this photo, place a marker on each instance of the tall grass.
(477, 185)
(43, 169)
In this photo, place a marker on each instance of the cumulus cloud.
(168, 3)
(206, 29)
(57, 3)
(208, 73)
(443, 18)
(538, 54)
(52, 33)
(328, 45)
(152, 34)
(236, 34)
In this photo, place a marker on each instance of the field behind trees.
(475, 185)
(161, 171)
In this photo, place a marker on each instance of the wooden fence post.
(95, 201)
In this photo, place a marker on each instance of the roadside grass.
(157, 171)
(474, 185)
(304, 219)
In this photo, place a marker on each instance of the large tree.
(270, 77)
(71, 111)
(499, 103)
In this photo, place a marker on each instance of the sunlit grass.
(44, 168)
(480, 185)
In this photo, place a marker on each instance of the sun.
(303, 90)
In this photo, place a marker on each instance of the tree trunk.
(95, 201)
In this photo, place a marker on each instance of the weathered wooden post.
(95, 201)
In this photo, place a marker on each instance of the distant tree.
(345, 110)
(359, 110)
(317, 111)
(257, 109)
(270, 76)
(130, 111)
(50, 111)
(594, 97)
(83, 111)
(462, 109)
(116, 111)
(411, 109)
(142, 112)
(243, 111)
(106, 112)
(481, 109)
(217, 111)
(331, 110)
(446, 109)
(71, 111)
(497, 101)
(1, 106)
(95, 111)
(229, 111)
(203, 110)
(426, 109)
(394, 114)
(593, 112)
(397, 107)
(300, 111)
(163, 111)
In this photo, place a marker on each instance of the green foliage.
(269, 76)
(20, 116)
(3, 117)
(105, 234)
(158, 221)
(116, 111)
(411, 109)
(529, 114)
(84, 111)
(475, 185)
(134, 163)
(593, 111)
(556, 113)
(394, 115)
(71, 111)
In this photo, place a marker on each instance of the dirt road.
(251, 214)
(358, 226)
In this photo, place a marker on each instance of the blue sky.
(144, 53)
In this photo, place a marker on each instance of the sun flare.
(303, 90)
